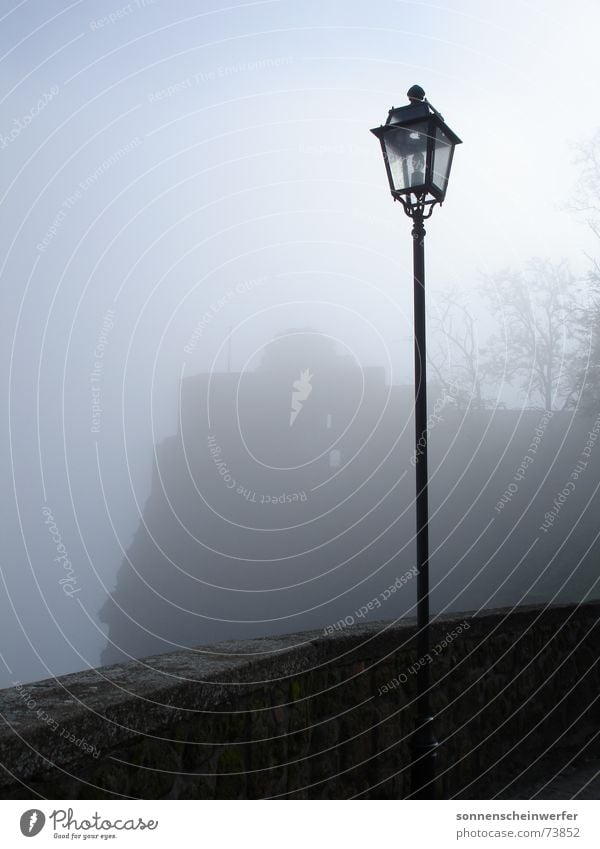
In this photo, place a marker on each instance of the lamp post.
(417, 149)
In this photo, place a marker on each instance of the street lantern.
(417, 150)
(417, 147)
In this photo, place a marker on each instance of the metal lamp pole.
(423, 742)
(418, 147)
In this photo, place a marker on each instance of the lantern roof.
(416, 111)
(417, 147)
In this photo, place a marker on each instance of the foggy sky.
(181, 183)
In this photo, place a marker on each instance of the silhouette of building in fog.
(285, 502)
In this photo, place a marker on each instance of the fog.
(206, 290)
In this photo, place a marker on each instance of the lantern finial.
(416, 94)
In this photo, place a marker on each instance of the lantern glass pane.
(441, 159)
(406, 153)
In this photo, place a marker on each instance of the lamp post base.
(424, 749)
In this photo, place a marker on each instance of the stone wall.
(309, 715)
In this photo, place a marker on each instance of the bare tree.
(587, 191)
(454, 353)
(587, 364)
(538, 340)
(587, 203)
